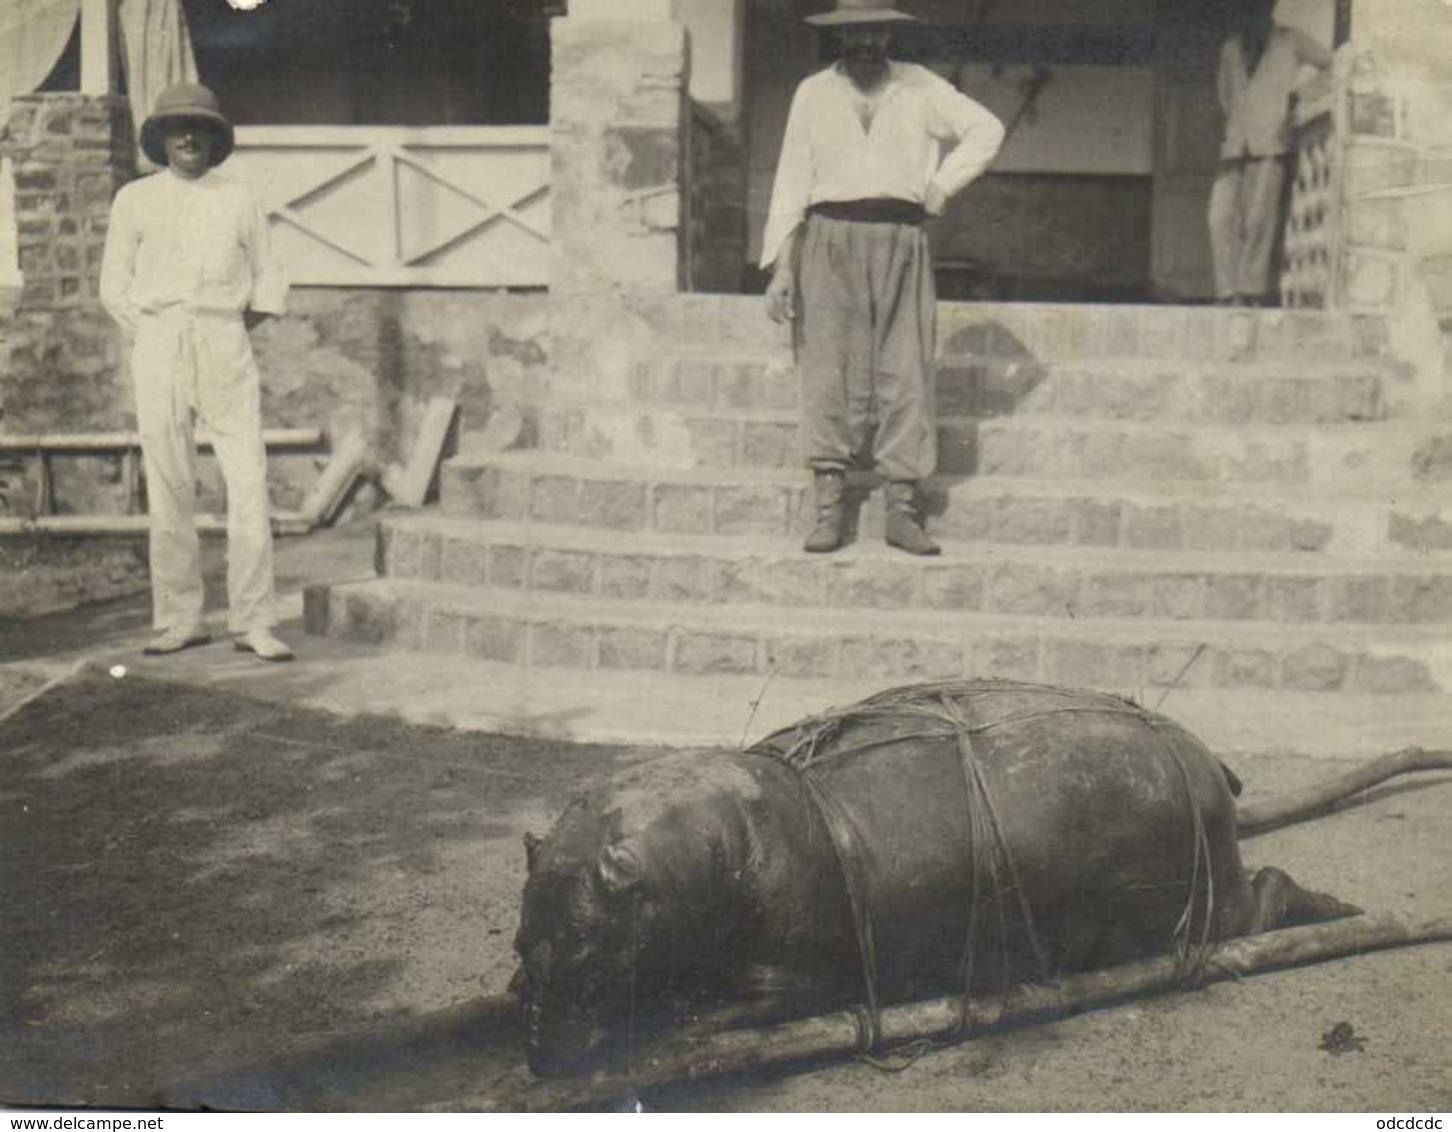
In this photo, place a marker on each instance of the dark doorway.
(376, 62)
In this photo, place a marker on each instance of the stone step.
(1385, 456)
(1048, 331)
(1046, 582)
(1121, 388)
(1330, 456)
(543, 487)
(587, 634)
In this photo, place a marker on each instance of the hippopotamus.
(965, 836)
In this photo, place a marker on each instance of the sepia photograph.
(726, 556)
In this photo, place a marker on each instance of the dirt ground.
(214, 901)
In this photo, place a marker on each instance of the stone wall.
(41, 574)
(70, 153)
(353, 362)
(366, 363)
(60, 357)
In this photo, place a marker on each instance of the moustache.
(866, 51)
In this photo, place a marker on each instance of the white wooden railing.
(384, 206)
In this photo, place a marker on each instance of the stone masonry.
(1393, 111)
(70, 153)
(618, 120)
(60, 358)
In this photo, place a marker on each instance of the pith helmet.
(185, 100)
(859, 12)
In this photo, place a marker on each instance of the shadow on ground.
(203, 885)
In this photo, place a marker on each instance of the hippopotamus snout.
(575, 956)
(561, 1023)
(561, 1041)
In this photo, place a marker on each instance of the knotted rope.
(941, 711)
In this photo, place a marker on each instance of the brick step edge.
(1048, 330)
(562, 634)
(985, 388)
(1093, 514)
(969, 578)
(1027, 446)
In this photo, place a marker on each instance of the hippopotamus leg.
(1272, 900)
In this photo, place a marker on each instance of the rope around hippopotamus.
(937, 712)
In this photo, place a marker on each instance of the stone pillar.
(618, 114)
(619, 121)
(68, 153)
(1396, 119)
(60, 356)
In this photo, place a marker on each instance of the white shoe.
(264, 644)
(175, 639)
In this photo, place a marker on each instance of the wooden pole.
(283, 523)
(677, 1060)
(121, 441)
(1260, 817)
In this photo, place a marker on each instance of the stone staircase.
(1135, 499)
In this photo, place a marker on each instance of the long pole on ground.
(684, 1059)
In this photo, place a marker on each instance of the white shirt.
(1258, 107)
(199, 244)
(828, 154)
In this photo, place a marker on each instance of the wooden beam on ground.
(336, 481)
(678, 1060)
(1272, 813)
(410, 485)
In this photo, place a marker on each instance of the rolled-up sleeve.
(790, 193)
(118, 265)
(269, 284)
(977, 135)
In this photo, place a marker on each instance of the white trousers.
(1245, 217)
(190, 364)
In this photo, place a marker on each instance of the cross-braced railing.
(445, 206)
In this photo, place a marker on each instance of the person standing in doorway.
(861, 169)
(1259, 68)
(187, 272)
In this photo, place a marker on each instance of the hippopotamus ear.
(532, 842)
(619, 867)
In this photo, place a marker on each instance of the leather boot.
(904, 524)
(831, 486)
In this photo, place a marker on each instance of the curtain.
(33, 33)
(158, 51)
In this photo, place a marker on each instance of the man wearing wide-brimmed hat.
(187, 270)
(861, 169)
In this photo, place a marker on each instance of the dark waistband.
(876, 210)
(1240, 161)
